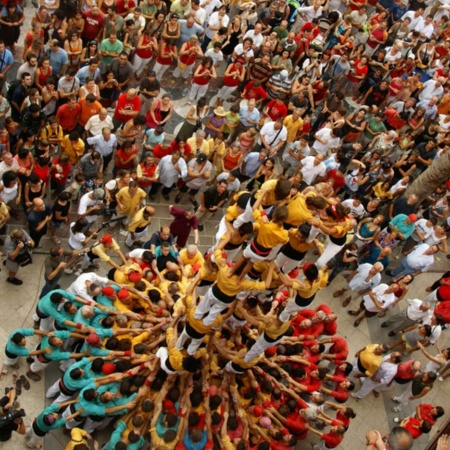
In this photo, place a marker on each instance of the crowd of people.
(306, 125)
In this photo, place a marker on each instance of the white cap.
(284, 73)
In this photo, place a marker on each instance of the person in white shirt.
(197, 12)
(356, 207)
(81, 286)
(308, 13)
(325, 139)
(90, 204)
(426, 28)
(417, 311)
(311, 167)
(210, 6)
(218, 20)
(95, 124)
(256, 35)
(365, 277)
(432, 88)
(273, 136)
(171, 169)
(416, 262)
(422, 230)
(416, 18)
(293, 154)
(377, 300)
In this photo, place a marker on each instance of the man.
(148, 90)
(273, 136)
(279, 85)
(110, 49)
(432, 88)
(216, 21)
(29, 66)
(138, 226)
(418, 311)
(256, 36)
(32, 119)
(89, 71)
(416, 262)
(210, 201)
(399, 438)
(188, 28)
(94, 20)
(105, 144)
(158, 237)
(95, 125)
(73, 146)
(326, 139)
(114, 22)
(197, 12)
(123, 71)
(90, 165)
(404, 225)
(260, 69)
(171, 169)
(427, 152)
(368, 360)
(58, 58)
(68, 113)
(90, 205)
(180, 7)
(19, 94)
(128, 106)
(100, 251)
(8, 163)
(89, 107)
(430, 106)
(68, 85)
(139, 20)
(250, 165)
(184, 221)
(198, 173)
(38, 218)
(403, 205)
(312, 167)
(248, 118)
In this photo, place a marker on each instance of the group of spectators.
(322, 116)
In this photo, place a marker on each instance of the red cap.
(413, 217)
(107, 239)
(196, 267)
(123, 294)
(93, 339)
(108, 291)
(294, 273)
(134, 276)
(108, 368)
(271, 351)
(258, 411)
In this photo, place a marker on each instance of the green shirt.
(107, 46)
(281, 34)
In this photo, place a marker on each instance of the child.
(94, 183)
(75, 187)
(42, 170)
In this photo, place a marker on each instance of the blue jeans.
(49, 286)
(403, 269)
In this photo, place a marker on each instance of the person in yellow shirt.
(293, 124)
(305, 290)
(301, 208)
(231, 242)
(368, 360)
(192, 259)
(100, 250)
(79, 437)
(198, 144)
(138, 226)
(73, 146)
(129, 200)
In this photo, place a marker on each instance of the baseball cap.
(201, 158)
(413, 217)
(284, 73)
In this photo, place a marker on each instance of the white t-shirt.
(214, 21)
(257, 39)
(232, 186)
(76, 239)
(273, 137)
(325, 134)
(422, 227)
(354, 210)
(310, 171)
(78, 287)
(217, 57)
(87, 203)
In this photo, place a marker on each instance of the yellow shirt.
(122, 277)
(138, 221)
(101, 251)
(4, 213)
(269, 199)
(204, 148)
(306, 289)
(292, 127)
(369, 360)
(158, 443)
(77, 436)
(197, 324)
(176, 356)
(74, 150)
(296, 244)
(269, 234)
(197, 259)
(380, 193)
(130, 203)
(298, 211)
(274, 330)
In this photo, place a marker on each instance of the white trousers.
(163, 355)
(367, 386)
(286, 264)
(225, 92)
(10, 361)
(160, 70)
(130, 241)
(91, 425)
(72, 423)
(193, 346)
(139, 64)
(260, 346)
(31, 437)
(331, 250)
(37, 366)
(210, 305)
(290, 309)
(197, 92)
(184, 73)
(46, 325)
(54, 390)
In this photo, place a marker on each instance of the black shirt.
(35, 217)
(151, 86)
(63, 209)
(213, 198)
(401, 206)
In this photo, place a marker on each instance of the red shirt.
(42, 172)
(338, 181)
(276, 110)
(92, 24)
(121, 6)
(339, 349)
(254, 92)
(412, 425)
(125, 103)
(358, 72)
(393, 118)
(297, 427)
(279, 446)
(342, 418)
(332, 440)
(68, 118)
(64, 173)
(125, 156)
(159, 151)
(425, 413)
(404, 370)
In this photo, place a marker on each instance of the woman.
(27, 143)
(122, 179)
(13, 130)
(33, 98)
(342, 30)
(281, 62)
(26, 162)
(264, 173)
(160, 112)
(17, 247)
(382, 191)
(44, 19)
(126, 157)
(243, 51)
(50, 97)
(77, 239)
(357, 74)
(89, 52)
(36, 33)
(172, 28)
(368, 230)
(383, 143)
(167, 54)
(189, 53)
(247, 140)
(145, 49)
(147, 172)
(11, 20)
(202, 76)
(109, 86)
(232, 158)
(215, 122)
(355, 124)
(395, 88)
(11, 192)
(73, 46)
(90, 87)
(59, 26)
(236, 31)
(194, 119)
(76, 23)
(336, 224)
(425, 55)
(155, 26)
(60, 215)
(415, 122)
(133, 130)
(43, 72)
(301, 84)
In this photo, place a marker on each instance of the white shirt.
(309, 13)
(105, 148)
(354, 210)
(75, 239)
(239, 50)
(416, 22)
(232, 186)
(273, 137)
(168, 176)
(386, 300)
(311, 171)
(78, 287)
(95, 125)
(215, 56)
(422, 227)
(25, 67)
(359, 283)
(427, 30)
(418, 261)
(386, 372)
(430, 90)
(199, 15)
(415, 313)
(137, 253)
(325, 134)
(399, 185)
(214, 21)
(87, 203)
(256, 38)
(141, 20)
(210, 7)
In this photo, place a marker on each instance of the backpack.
(11, 89)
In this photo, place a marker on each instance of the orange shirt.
(88, 110)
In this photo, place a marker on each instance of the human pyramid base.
(205, 353)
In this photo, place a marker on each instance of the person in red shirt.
(395, 120)
(94, 20)
(338, 352)
(297, 425)
(275, 108)
(343, 415)
(342, 389)
(253, 89)
(337, 179)
(416, 427)
(162, 150)
(428, 412)
(332, 439)
(126, 157)
(125, 7)
(68, 113)
(330, 322)
(128, 106)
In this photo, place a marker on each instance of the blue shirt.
(76, 385)
(84, 72)
(105, 148)
(6, 59)
(48, 308)
(57, 60)
(252, 163)
(404, 228)
(244, 115)
(189, 445)
(49, 410)
(57, 354)
(116, 435)
(15, 349)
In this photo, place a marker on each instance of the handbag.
(23, 259)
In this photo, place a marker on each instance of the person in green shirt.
(281, 30)
(110, 49)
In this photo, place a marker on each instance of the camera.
(11, 416)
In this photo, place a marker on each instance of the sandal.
(346, 302)
(19, 386)
(15, 376)
(352, 313)
(25, 383)
(3, 372)
(338, 293)
(33, 376)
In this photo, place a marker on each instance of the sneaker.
(395, 399)
(440, 379)
(68, 271)
(396, 408)
(397, 419)
(166, 197)
(77, 272)
(15, 281)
